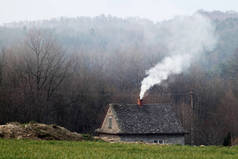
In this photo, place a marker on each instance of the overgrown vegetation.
(99, 150)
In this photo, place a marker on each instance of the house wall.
(105, 125)
(166, 139)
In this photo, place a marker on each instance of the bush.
(227, 140)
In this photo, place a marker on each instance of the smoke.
(186, 38)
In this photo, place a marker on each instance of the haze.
(156, 10)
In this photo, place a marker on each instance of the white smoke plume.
(186, 38)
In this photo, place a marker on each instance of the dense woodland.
(66, 70)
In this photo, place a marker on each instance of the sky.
(156, 10)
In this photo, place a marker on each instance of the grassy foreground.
(24, 149)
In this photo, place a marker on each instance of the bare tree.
(45, 63)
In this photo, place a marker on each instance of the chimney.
(139, 102)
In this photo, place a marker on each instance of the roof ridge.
(142, 105)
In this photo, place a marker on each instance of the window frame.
(160, 141)
(109, 122)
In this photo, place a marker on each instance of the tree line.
(66, 71)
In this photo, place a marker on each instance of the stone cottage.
(150, 123)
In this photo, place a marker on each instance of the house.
(150, 123)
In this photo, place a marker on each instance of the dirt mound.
(37, 131)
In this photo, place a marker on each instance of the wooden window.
(110, 122)
(161, 141)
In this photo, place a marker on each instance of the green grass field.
(24, 149)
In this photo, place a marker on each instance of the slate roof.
(147, 119)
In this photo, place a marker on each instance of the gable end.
(110, 123)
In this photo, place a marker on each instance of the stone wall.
(110, 138)
(105, 125)
(160, 139)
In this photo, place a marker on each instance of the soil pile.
(37, 131)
